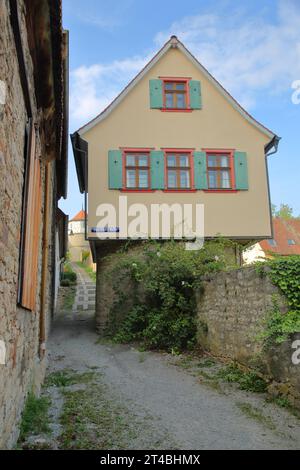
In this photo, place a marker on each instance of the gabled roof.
(284, 230)
(79, 217)
(174, 42)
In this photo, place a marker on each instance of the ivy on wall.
(158, 306)
(285, 274)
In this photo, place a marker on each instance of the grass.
(35, 418)
(249, 381)
(67, 377)
(255, 413)
(88, 270)
(92, 420)
(283, 402)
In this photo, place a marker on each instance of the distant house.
(78, 246)
(285, 242)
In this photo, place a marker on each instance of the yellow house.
(174, 136)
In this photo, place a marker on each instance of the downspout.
(45, 255)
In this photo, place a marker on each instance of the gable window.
(291, 242)
(178, 171)
(175, 95)
(220, 171)
(137, 171)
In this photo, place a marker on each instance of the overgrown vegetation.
(88, 270)
(69, 277)
(249, 381)
(35, 418)
(285, 274)
(160, 309)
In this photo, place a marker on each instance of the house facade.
(173, 139)
(285, 242)
(33, 167)
(175, 135)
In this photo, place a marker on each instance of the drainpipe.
(45, 255)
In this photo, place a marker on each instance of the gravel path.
(174, 409)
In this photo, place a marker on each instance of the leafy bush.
(285, 274)
(163, 279)
(69, 277)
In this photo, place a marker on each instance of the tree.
(284, 212)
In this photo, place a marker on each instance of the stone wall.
(231, 310)
(19, 329)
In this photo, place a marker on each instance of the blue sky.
(252, 48)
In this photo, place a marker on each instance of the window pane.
(171, 160)
(184, 179)
(180, 86)
(224, 161)
(212, 179)
(183, 161)
(172, 179)
(225, 179)
(130, 178)
(169, 100)
(143, 179)
(180, 100)
(212, 160)
(130, 160)
(169, 86)
(143, 160)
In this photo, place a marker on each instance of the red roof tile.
(284, 230)
(79, 216)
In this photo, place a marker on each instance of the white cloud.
(94, 87)
(248, 55)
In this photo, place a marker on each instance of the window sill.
(179, 190)
(220, 190)
(176, 110)
(127, 190)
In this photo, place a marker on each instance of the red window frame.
(184, 80)
(189, 154)
(230, 154)
(136, 152)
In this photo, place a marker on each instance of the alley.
(115, 396)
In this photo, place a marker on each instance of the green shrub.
(249, 381)
(163, 280)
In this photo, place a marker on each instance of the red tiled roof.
(79, 216)
(284, 230)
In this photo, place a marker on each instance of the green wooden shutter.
(200, 170)
(157, 169)
(115, 169)
(156, 93)
(195, 94)
(241, 170)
